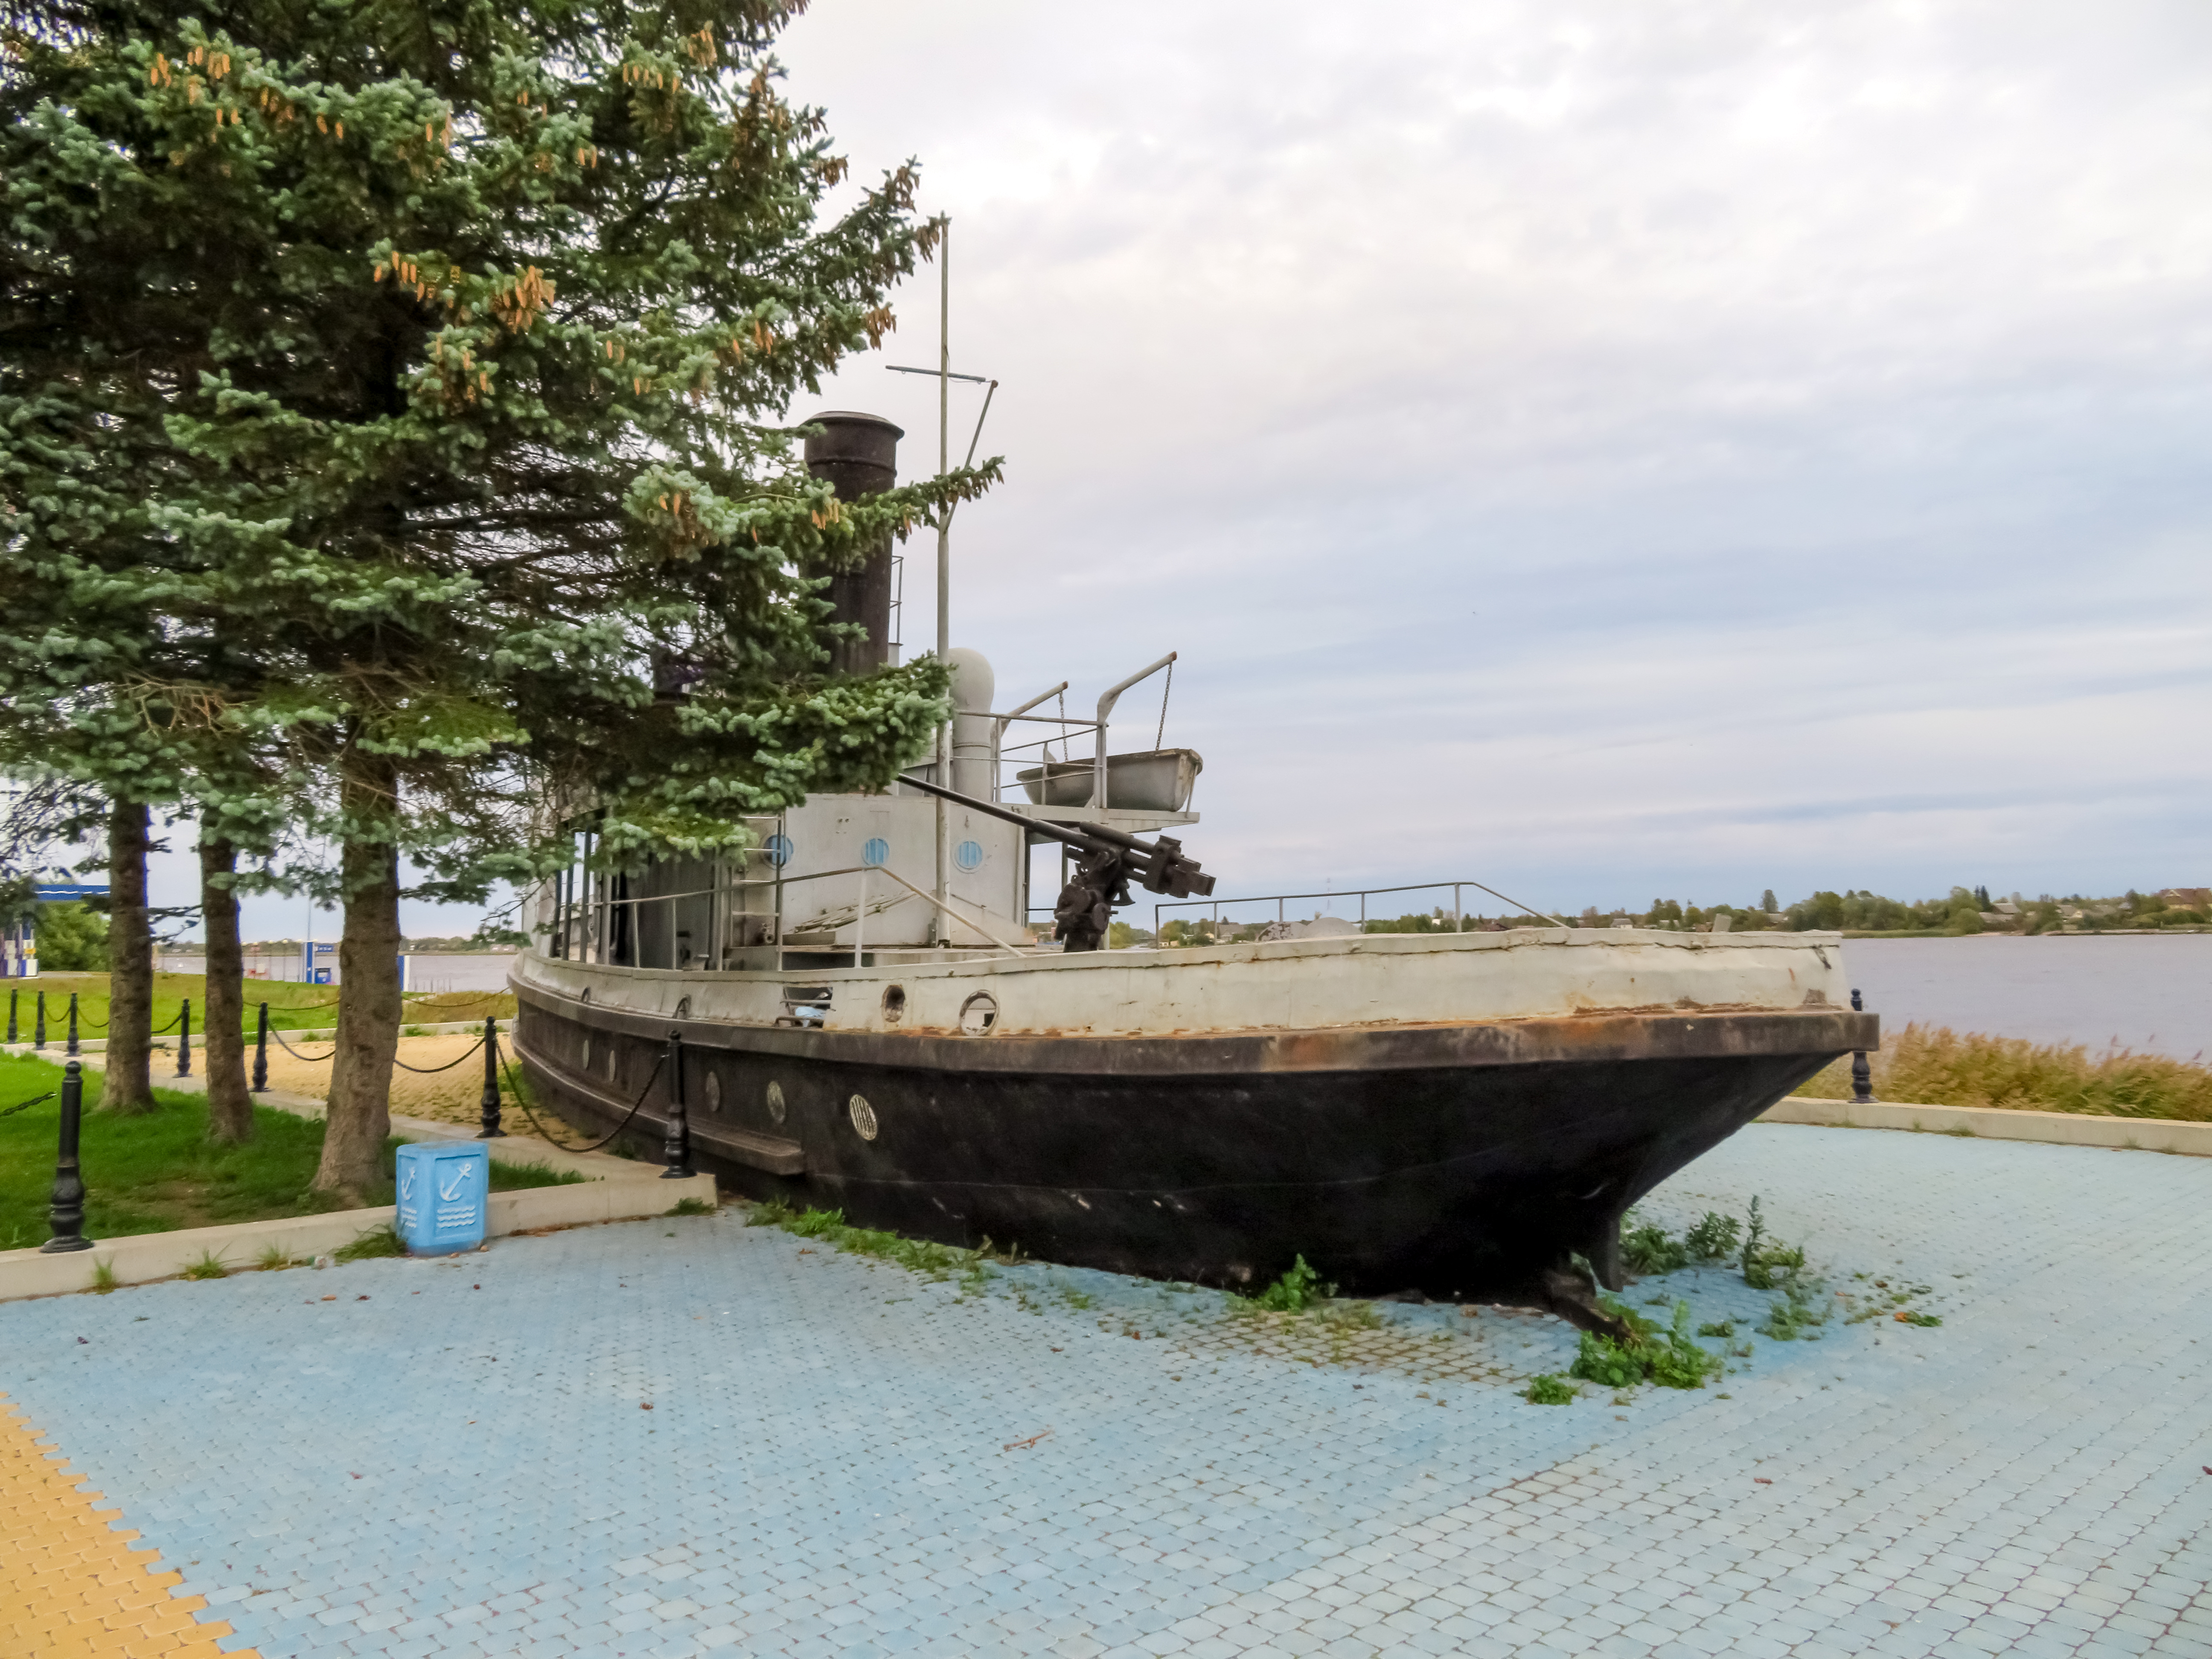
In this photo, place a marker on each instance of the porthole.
(894, 1004)
(979, 1013)
(587, 1052)
(775, 1107)
(863, 1116)
(714, 1093)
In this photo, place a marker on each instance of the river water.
(2145, 992)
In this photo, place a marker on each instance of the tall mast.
(944, 550)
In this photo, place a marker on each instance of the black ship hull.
(1451, 1159)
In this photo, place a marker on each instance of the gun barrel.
(1091, 837)
(1160, 865)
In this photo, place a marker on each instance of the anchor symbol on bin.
(406, 1184)
(447, 1194)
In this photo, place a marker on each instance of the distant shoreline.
(2006, 933)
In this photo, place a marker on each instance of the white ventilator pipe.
(973, 727)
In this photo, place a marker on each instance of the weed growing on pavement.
(1668, 1356)
(377, 1241)
(935, 1262)
(1550, 1391)
(692, 1207)
(1754, 1236)
(1647, 1248)
(1714, 1239)
(1299, 1290)
(1798, 1315)
(103, 1275)
(1910, 1316)
(1720, 1327)
(206, 1267)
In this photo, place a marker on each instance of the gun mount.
(1111, 860)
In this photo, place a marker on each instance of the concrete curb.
(2148, 1135)
(167, 1043)
(144, 1257)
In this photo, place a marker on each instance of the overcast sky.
(1603, 449)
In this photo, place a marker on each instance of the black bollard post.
(72, 1048)
(66, 1213)
(261, 1054)
(1862, 1073)
(13, 993)
(185, 1039)
(39, 1022)
(676, 1149)
(490, 1115)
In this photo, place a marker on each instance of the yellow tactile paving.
(70, 1586)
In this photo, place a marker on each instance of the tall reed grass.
(1936, 1066)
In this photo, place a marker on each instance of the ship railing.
(1455, 923)
(1001, 751)
(589, 937)
(1071, 728)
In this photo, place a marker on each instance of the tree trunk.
(230, 1107)
(128, 1086)
(368, 994)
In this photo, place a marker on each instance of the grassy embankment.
(292, 1006)
(1936, 1066)
(150, 1174)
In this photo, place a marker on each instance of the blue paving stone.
(842, 1459)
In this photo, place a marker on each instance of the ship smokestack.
(859, 454)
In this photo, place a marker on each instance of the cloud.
(1682, 447)
(1625, 447)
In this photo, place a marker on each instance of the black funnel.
(859, 454)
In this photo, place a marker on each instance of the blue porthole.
(778, 848)
(968, 854)
(875, 852)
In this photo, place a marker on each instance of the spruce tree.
(406, 372)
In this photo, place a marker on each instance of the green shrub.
(72, 937)
(1549, 1391)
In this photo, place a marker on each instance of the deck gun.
(1109, 860)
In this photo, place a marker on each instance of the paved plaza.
(842, 1458)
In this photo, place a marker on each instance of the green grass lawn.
(292, 1006)
(150, 1174)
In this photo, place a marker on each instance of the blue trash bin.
(442, 1188)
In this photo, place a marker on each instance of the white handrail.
(1105, 707)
